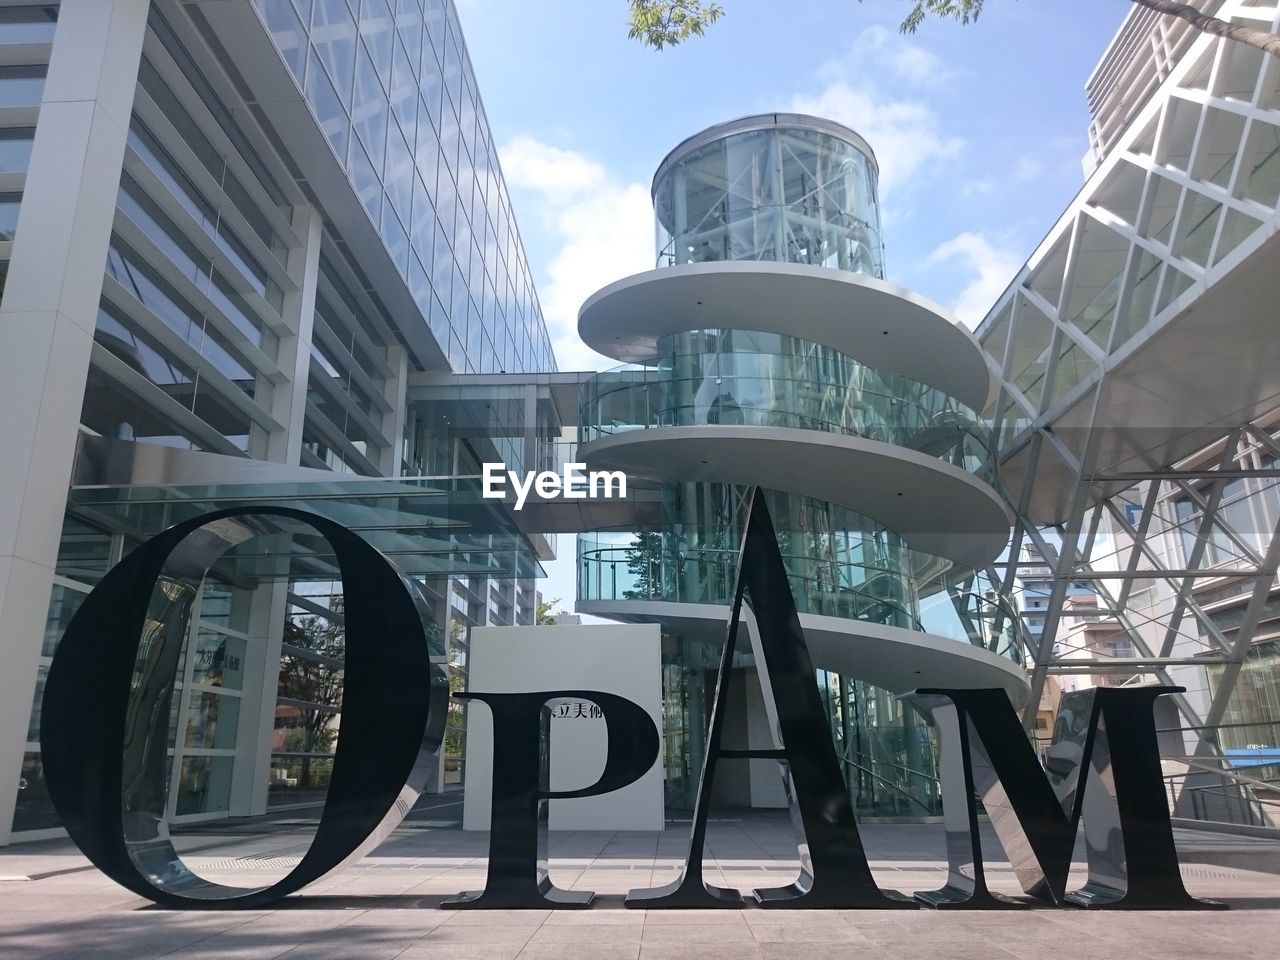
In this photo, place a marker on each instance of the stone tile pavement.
(388, 906)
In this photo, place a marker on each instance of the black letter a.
(835, 873)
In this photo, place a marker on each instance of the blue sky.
(979, 131)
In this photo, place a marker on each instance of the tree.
(544, 617)
(644, 563)
(311, 673)
(660, 23)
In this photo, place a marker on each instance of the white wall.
(625, 660)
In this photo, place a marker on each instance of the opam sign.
(107, 773)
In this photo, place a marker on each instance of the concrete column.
(269, 604)
(258, 701)
(289, 400)
(47, 318)
(395, 390)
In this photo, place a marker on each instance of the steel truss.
(1181, 549)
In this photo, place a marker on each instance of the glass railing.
(827, 392)
(653, 566)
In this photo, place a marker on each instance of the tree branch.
(1260, 39)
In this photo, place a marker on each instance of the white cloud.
(906, 61)
(904, 132)
(993, 267)
(1026, 169)
(978, 188)
(602, 228)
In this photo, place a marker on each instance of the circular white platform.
(891, 657)
(883, 326)
(936, 507)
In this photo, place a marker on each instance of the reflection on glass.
(84, 552)
(34, 810)
(296, 780)
(28, 24)
(219, 660)
(9, 204)
(211, 721)
(204, 785)
(725, 377)
(786, 194)
(62, 607)
(21, 86)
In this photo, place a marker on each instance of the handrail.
(890, 784)
(707, 574)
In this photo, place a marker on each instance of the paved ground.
(388, 906)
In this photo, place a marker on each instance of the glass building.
(767, 349)
(262, 253)
(290, 237)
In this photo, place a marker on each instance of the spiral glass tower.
(767, 349)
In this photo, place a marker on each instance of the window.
(21, 86)
(34, 24)
(15, 149)
(9, 215)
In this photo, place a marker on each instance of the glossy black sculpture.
(1104, 767)
(834, 870)
(517, 877)
(106, 713)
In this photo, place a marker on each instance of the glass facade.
(200, 345)
(764, 379)
(24, 33)
(392, 86)
(792, 193)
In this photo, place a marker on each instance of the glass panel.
(131, 271)
(1032, 333)
(225, 606)
(791, 195)
(33, 723)
(110, 411)
(204, 785)
(9, 204)
(1074, 366)
(15, 149)
(369, 110)
(1236, 227)
(84, 552)
(333, 32)
(288, 32)
(1260, 171)
(144, 354)
(1146, 276)
(1164, 205)
(34, 809)
(21, 86)
(1199, 221)
(298, 780)
(211, 720)
(219, 662)
(63, 604)
(327, 106)
(234, 425)
(33, 24)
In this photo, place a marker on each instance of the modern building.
(247, 246)
(767, 349)
(261, 252)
